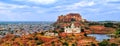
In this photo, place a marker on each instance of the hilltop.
(66, 20)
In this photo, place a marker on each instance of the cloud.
(114, 1)
(43, 2)
(118, 2)
(21, 8)
(14, 12)
(41, 9)
(84, 3)
(77, 5)
(9, 15)
(11, 6)
(118, 8)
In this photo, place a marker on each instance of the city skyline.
(49, 10)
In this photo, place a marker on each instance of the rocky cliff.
(69, 17)
(66, 20)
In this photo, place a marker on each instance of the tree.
(113, 44)
(82, 30)
(73, 45)
(85, 35)
(36, 38)
(104, 43)
(108, 24)
(65, 44)
(92, 44)
(55, 31)
(39, 42)
(42, 33)
(62, 30)
(58, 27)
(53, 43)
(117, 32)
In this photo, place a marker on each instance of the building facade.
(72, 29)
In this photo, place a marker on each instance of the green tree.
(42, 33)
(82, 30)
(85, 35)
(55, 31)
(53, 43)
(65, 44)
(57, 26)
(93, 45)
(36, 38)
(104, 43)
(113, 44)
(117, 32)
(38, 42)
(108, 24)
(62, 30)
(73, 45)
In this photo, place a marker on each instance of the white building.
(51, 34)
(72, 29)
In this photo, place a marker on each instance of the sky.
(49, 10)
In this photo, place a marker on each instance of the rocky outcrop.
(69, 17)
(66, 20)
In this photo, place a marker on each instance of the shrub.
(104, 43)
(113, 44)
